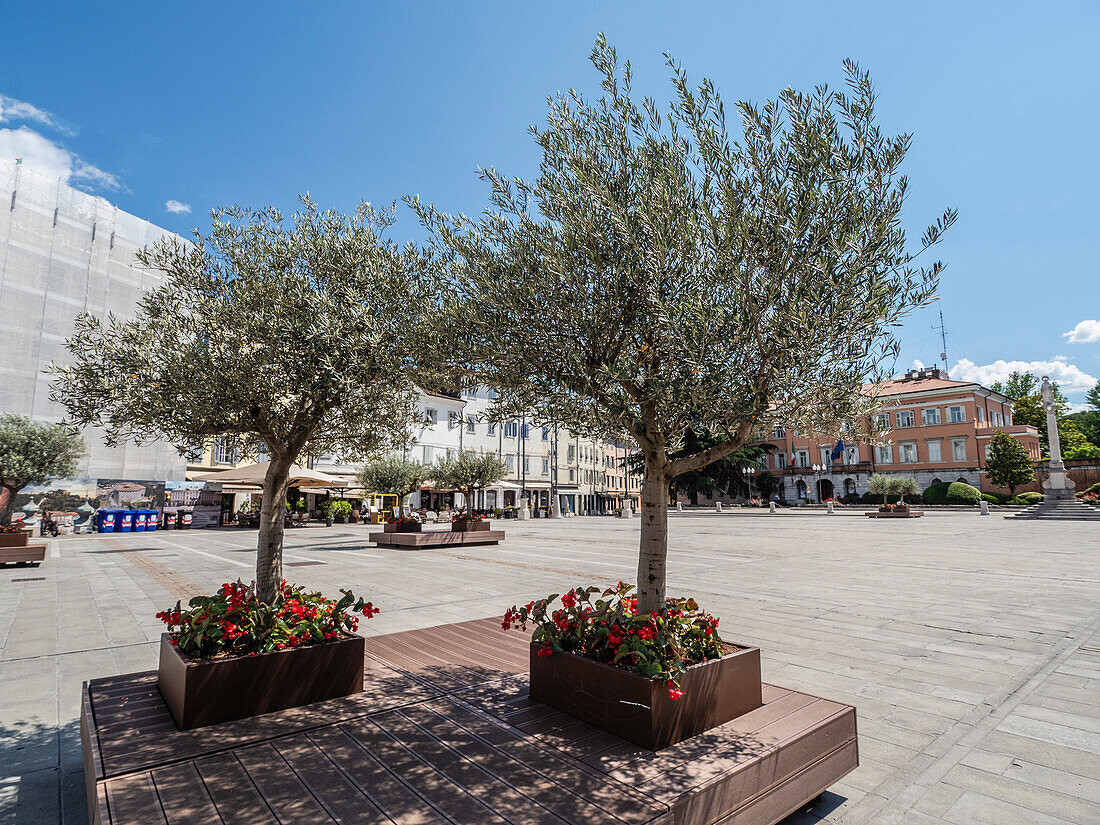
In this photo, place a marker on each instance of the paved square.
(970, 646)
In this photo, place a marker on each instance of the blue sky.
(167, 107)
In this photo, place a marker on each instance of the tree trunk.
(269, 550)
(654, 539)
(7, 501)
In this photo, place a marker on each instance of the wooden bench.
(23, 555)
(445, 732)
(436, 538)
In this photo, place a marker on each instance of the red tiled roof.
(899, 386)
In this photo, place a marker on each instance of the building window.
(981, 414)
(780, 460)
(225, 451)
(546, 466)
(545, 433)
(572, 472)
(988, 450)
(852, 456)
(469, 423)
(908, 452)
(492, 428)
(433, 416)
(802, 458)
(884, 454)
(934, 451)
(511, 429)
(571, 454)
(195, 453)
(958, 449)
(526, 465)
(826, 454)
(453, 420)
(882, 421)
(779, 432)
(526, 430)
(511, 462)
(905, 418)
(930, 416)
(957, 415)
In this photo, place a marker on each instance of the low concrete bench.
(23, 555)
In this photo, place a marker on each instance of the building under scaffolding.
(63, 251)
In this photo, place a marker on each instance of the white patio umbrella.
(256, 473)
(30, 507)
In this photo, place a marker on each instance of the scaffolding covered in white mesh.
(63, 251)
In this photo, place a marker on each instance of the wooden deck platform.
(23, 555)
(436, 538)
(445, 733)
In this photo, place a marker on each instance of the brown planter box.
(388, 527)
(469, 526)
(639, 709)
(14, 539)
(202, 693)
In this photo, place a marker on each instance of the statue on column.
(1057, 485)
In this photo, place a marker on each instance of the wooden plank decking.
(445, 733)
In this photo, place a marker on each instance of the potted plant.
(303, 649)
(654, 679)
(464, 522)
(14, 535)
(402, 524)
(341, 510)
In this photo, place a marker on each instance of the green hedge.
(1030, 498)
(936, 493)
(953, 492)
(992, 498)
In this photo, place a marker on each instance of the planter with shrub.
(468, 523)
(230, 655)
(340, 510)
(653, 679)
(14, 535)
(402, 524)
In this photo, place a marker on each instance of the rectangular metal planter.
(202, 693)
(469, 526)
(639, 709)
(14, 539)
(390, 527)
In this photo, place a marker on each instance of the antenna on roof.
(942, 330)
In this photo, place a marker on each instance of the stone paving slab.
(970, 646)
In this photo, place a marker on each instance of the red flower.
(646, 633)
(546, 651)
(569, 600)
(675, 693)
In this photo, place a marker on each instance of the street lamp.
(748, 473)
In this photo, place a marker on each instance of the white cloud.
(1084, 333)
(918, 364)
(1070, 377)
(53, 160)
(12, 109)
(1079, 406)
(177, 208)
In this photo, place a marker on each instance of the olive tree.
(296, 336)
(903, 486)
(879, 484)
(662, 273)
(33, 452)
(468, 472)
(393, 475)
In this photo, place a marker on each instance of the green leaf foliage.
(33, 452)
(665, 271)
(393, 475)
(301, 336)
(1008, 463)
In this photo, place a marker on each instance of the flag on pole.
(838, 450)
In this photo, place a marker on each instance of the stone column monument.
(1057, 485)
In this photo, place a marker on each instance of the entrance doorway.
(824, 490)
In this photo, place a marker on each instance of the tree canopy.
(33, 452)
(392, 474)
(662, 274)
(1008, 463)
(468, 472)
(299, 336)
